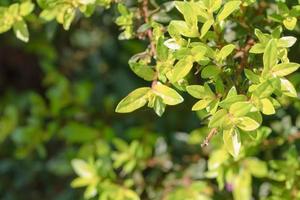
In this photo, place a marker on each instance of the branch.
(210, 135)
(145, 14)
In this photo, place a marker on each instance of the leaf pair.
(157, 97)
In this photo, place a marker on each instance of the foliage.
(238, 58)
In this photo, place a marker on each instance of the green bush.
(61, 90)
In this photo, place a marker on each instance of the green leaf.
(217, 158)
(168, 95)
(26, 8)
(242, 185)
(257, 167)
(142, 70)
(218, 118)
(247, 124)
(206, 26)
(162, 50)
(185, 8)
(68, 18)
(181, 69)
(136, 99)
(90, 191)
(209, 93)
(82, 168)
(178, 27)
(239, 109)
(232, 141)
(159, 106)
(231, 100)
(215, 5)
(270, 56)
(197, 91)
(201, 105)
(225, 51)
(21, 31)
(257, 48)
(263, 38)
(210, 71)
(285, 69)
(267, 107)
(264, 89)
(228, 8)
(254, 78)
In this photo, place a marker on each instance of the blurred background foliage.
(58, 128)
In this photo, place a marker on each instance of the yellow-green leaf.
(21, 30)
(206, 26)
(197, 91)
(290, 23)
(287, 88)
(201, 105)
(181, 69)
(225, 51)
(257, 167)
(247, 124)
(218, 118)
(285, 69)
(232, 141)
(239, 109)
(136, 99)
(228, 8)
(267, 107)
(168, 95)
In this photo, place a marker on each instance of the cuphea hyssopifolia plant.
(231, 104)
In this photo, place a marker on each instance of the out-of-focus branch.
(208, 138)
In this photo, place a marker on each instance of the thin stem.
(208, 138)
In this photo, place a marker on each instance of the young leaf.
(168, 95)
(136, 99)
(228, 8)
